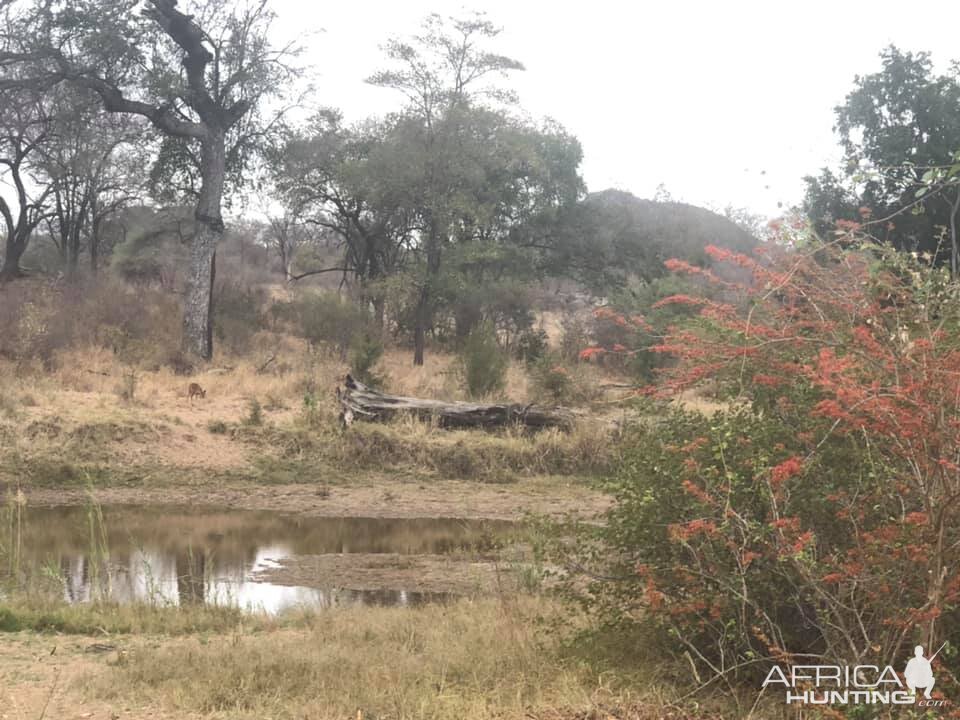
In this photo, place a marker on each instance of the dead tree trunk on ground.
(359, 402)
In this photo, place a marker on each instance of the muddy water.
(177, 555)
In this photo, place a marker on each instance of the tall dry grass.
(468, 660)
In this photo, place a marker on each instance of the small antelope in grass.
(195, 391)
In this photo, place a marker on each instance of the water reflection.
(178, 556)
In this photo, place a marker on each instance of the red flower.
(785, 470)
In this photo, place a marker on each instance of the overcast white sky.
(723, 102)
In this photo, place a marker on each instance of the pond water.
(181, 555)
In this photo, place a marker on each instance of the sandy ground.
(387, 497)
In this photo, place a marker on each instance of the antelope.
(195, 390)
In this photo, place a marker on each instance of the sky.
(724, 103)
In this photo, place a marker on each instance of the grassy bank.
(470, 659)
(90, 421)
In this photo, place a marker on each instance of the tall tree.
(89, 175)
(356, 183)
(894, 126)
(200, 77)
(442, 72)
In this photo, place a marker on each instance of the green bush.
(238, 314)
(254, 413)
(324, 319)
(484, 363)
(217, 427)
(365, 352)
(561, 384)
(531, 345)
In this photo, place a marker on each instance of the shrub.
(575, 337)
(531, 345)
(324, 318)
(42, 318)
(217, 427)
(483, 362)
(822, 505)
(365, 352)
(560, 384)
(238, 314)
(254, 413)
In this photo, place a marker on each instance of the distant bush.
(254, 413)
(217, 427)
(41, 318)
(531, 345)
(483, 362)
(562, 384)
(575, 337)
(324, 319)
(238, 314)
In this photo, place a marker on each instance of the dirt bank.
(380, 497)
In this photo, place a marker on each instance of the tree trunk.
(11, 260)
(954, 247)
(198, 300)
(95, 245)
(424, 313)
(358, 402)
(420, 328)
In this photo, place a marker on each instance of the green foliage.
(612, 238)
(365, 352)
(217, 427)
(893, 125)
(254, 416)
(483, 362)
(799, 515)
(634, 321)
(531, 345)
(651, 502)
(238, 314)
(557, 383)
(324, 319)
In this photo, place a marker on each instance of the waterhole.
(262, 561)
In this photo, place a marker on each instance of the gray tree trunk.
(198, 300)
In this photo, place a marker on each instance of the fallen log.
(359, 402)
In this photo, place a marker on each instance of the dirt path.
(386, 498)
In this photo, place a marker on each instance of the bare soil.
(379, 497)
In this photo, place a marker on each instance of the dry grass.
(472, 454)
(93, 414)
(471, 659)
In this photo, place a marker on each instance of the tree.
(286, 233)
(24, 129)
(441, 72)
(894, 126)
(201, 80)
(353, 182)
(89, 175)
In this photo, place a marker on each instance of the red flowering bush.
(819, 515)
